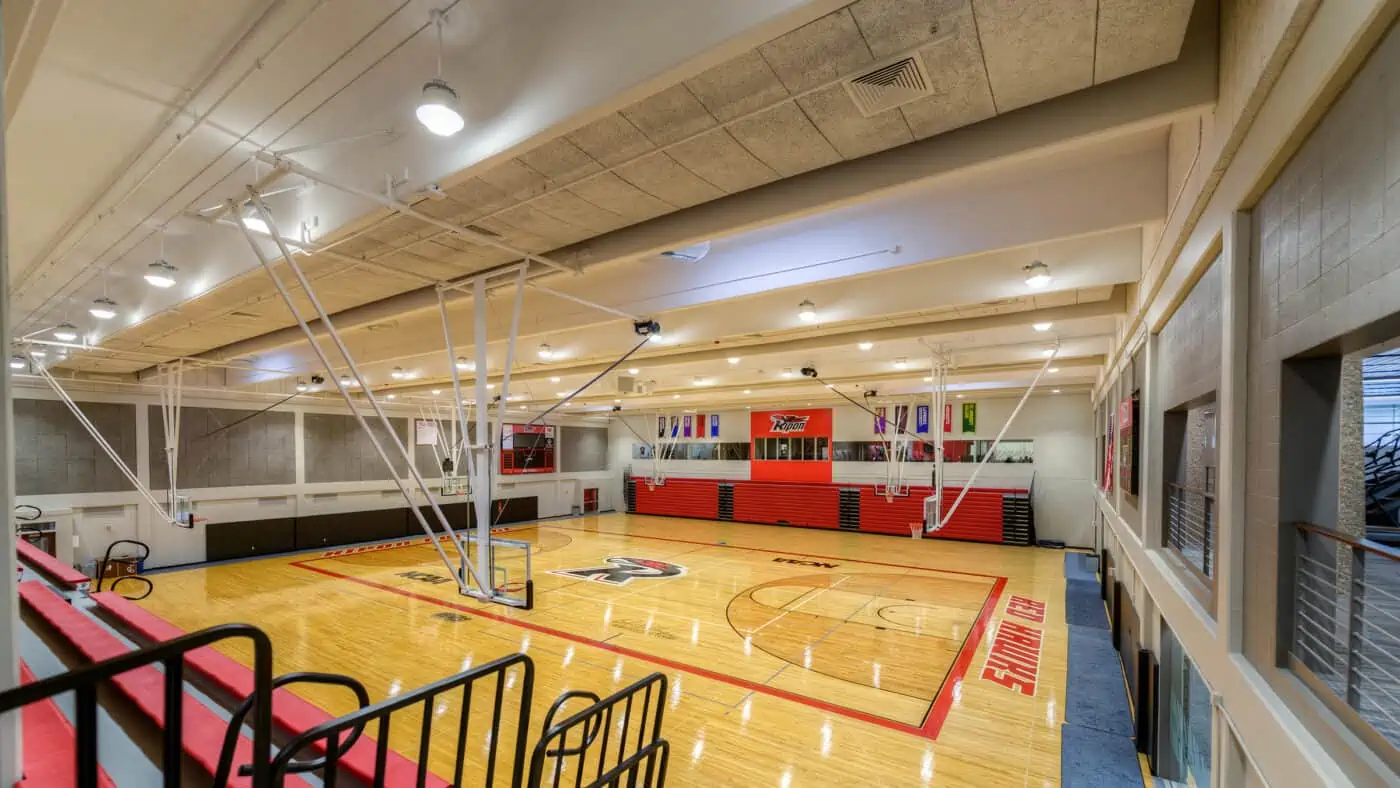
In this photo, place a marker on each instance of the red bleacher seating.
(788, 503)
(203, 737)
(698, 498)
(49, 752)
(290, 713)
(50, 568)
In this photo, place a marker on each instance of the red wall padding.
(814, 505)
(697, 498)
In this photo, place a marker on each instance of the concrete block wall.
(1190, 344)
(259, 450)
(55, 454)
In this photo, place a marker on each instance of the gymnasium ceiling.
(598, 137)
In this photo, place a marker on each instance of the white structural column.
(481, 470)
(10, 752)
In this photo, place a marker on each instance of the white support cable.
(287, 257)
(457, 384)
(481, 482)
(510, 347)
(171, 398)
(102, 443)
(1000, 434)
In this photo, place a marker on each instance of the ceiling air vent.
(892, 84)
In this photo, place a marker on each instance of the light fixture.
(632, 370)
(301, 385)
(463, 363)
(17, 362)
(562, 394)
(733, 360)
(160, 274)
(390, 396)
(1047, 353)
(960, 396)
(346, 382)
(675, 396)
(699, 381)
(437, 107)
(554, 379)
(616, 401)
(1037, 275)
(436, 392)
(103, 308)
(490, 385)
(747, 391)
(253, 221)
(38, 354)
(398, 373)
(1042, 326)
(787, 372)
(1056, 391)
(901, 363)
(546, 351)
(866, 345)
(1054, 369)
(807, 311)
(65, 332)
(568, 404)
(928, 380)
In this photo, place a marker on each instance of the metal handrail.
(1197, 490)
(328, 733)
(225, 767)
(84, 683)
(650, 748)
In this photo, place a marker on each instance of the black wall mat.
(223, 541)
(515, 510)
(460, 515)
(329, 530)
(1145, 702)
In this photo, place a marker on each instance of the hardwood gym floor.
(796, 657)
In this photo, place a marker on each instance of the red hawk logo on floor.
(621, 570)
(789, 422)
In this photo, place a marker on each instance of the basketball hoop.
(916, 530)
(454, 485)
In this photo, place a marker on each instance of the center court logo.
(621, 570)
(788, 422)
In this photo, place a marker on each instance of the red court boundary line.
(933, 720)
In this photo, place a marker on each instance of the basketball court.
(792, 661)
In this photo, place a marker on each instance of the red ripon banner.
(794, 423)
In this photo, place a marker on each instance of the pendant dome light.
(65, 332)
(437, 107)
(160, 273)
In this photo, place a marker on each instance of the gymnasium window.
(1008, 451)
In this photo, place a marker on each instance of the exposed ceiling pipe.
(1115, 304)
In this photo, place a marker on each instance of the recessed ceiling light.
(65, 332)
(807, 311)
(787, 372)
(747, 391)
(866, 345)
(960, 396)
(436, 392)
(391, 396)
(1037, 275)
(901, 363)
(699, 381)
(1042, 326)
(490, 385)
(561, 394)
(1047, 353)
(675, 396)
(1054, 369)
(554, 379)
(928, 380)
(1056, 391)
(103, 308)
(632, 370)
(160, 274)
(733, 360)
(616, 401)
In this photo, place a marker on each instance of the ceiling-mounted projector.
(688, 254)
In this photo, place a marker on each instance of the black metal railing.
(327, 737)
(1190, 527)
(225, 767)
(634, 755)
(1345, 638)
(84, 683)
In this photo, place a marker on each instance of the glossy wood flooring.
(795, 657)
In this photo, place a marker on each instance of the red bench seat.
(50, 568)
(290, 713)
(49, 748)
(203, 737)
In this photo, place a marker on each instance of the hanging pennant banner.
(714, 425)
(969, 417)
(660, 426)
(880, 421)
(687, 426)
(700, 426)
(921, 419)
(675, 427)
(901, 418)
(947, 417)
